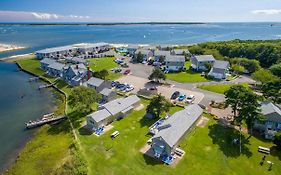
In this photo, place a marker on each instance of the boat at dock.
(46, 119)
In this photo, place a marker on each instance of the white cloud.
(267, 11)
(15, 16)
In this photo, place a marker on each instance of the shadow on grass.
(151, 161)
(84, 131)
(144, 121)
(276, 152)
(224, 137)
(77, 118)
(63, 127)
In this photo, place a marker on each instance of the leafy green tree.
(157, 75)
(162, 59)
(272, 90)
(139, 58)
(82, 98)
(104, 73)
(277, 140)
(244, 104)
(264, 76)
(237, 69)
(208, 66)
(196, 50)
(276, 70)
(158, 105)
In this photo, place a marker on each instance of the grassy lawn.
(219, 88)
(209, 150)
(186, 77)
(98, 64)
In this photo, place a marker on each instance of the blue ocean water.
(39, 37)
(20, 101)
(14, 111)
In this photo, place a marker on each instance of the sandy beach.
(9, 47)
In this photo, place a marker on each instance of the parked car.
(182, 97)
(130, 88)
(127, 72)
(166, 71)
(175, 95)
(144, 62)
(150, 62)
(190, 98)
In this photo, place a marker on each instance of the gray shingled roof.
(161, 53)
(180, 51)
(202, 58)
(56, 49)
(106, 92)
(178, 124)
(271, 111)
(143, 51)
(121, 104)
(76, 59)
(48, 61)
(221, 64)
(100, 115)
(174, 58)
(96, 82)
(56, 66)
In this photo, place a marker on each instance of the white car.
(190, 99)
(129, 89)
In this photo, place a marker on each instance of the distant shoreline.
(102, 24)
(9, 47)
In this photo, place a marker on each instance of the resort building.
(198, 62)
(147, 54)
(219, 70)
(76, 75)
(89, 48)
(180, 52)
(132, 49)
(56, 52)
(56, 69)
(45, 63)
(160, 53)
(98, 84)
(108, 94)
(173, 129)
(112, 111)
(175, 63)
(272, 119)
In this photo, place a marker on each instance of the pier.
(45, 86)
(33, 79)
(46, 119)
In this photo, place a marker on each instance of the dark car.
(175, 95)
(127, 72)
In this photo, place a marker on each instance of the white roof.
(178, 124)
(120, 104)
(56, 49)
(100, 115)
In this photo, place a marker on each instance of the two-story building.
(77, 74)
(44, 63)
(56, 69)
(198, 62)
(146, 54)
(175, 63)
(219, 70)
(272, 119)
(160, 54)
(98, 84)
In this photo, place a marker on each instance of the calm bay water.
(14, 111)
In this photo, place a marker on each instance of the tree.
(139, 57)
(158, 105)
(272, 90)
(276, 70)
(104, 73)
(244, 104)
(264, 76)
(237, 69)
(277, 140)
(157, 75)
(83, 97)
(208, 66)
(162, 59)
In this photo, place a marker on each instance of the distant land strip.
(100, 24)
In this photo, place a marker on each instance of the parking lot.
(167, 91)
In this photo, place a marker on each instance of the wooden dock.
(33, 79)
(45, 86)
(46, 119)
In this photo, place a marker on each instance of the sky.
(140, 11)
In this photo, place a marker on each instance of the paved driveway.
(167, 91)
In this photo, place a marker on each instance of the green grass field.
(186, 77)
(219, 88)
(107, 63)
(209, 150)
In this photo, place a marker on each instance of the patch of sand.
(202, 122)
